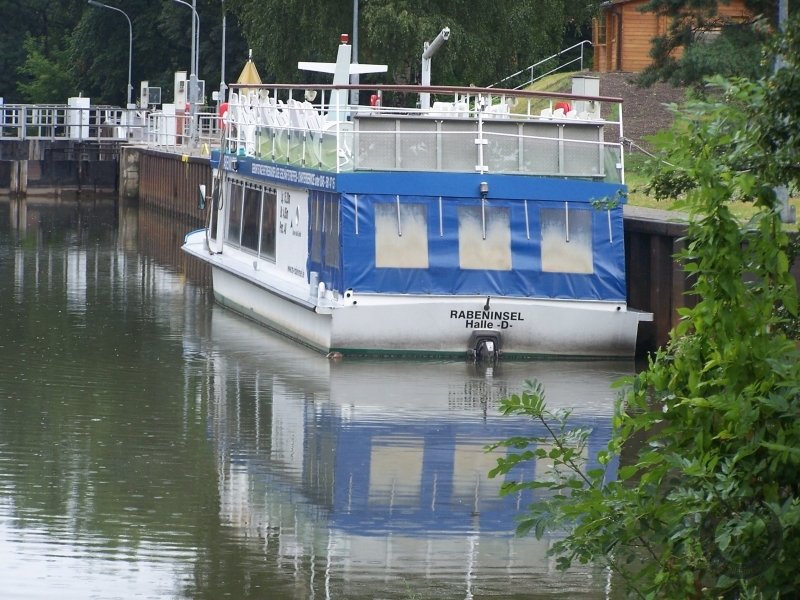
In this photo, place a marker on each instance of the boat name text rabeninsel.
(484, 319)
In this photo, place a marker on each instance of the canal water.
(153, 445)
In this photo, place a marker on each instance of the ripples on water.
(155, 446)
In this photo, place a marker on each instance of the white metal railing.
(173, 131)
(109, 124)
(51, 122)
(578, 59)
(475, 132)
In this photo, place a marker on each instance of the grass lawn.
(557, 82)
(637, 181)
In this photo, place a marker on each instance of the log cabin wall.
(630, 50)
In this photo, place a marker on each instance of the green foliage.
(711, 427)
(50, 81)
(713, 44)
(161, 46)
(49, 22)
(735, 52)
(89, 45)
(485, 44)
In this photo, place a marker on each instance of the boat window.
(251, 213)
(270, 207)
(234, 215)
(401, 235)
(566, 240)
(317, 204)
(331, 220)
(484, 238)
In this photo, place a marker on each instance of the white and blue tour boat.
(488, 223)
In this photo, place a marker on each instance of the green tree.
(50, 81)
(50, 22)
(709, 504)
(713, 43)
(485, 45)
(161, 46)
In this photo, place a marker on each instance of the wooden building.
(622, 34)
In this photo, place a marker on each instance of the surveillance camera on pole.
(428, 51)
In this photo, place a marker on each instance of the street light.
(194, 71)
(195, 65)
(130, 42)
(354, 78)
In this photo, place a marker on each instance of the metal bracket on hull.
(485, 344)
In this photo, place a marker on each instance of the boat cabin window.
(317, 215)
(251, 213)
(252, 219)
(566, 240)
(484, 238)
(234, 215)
(325, 229)
(401, 235)
(268, 212)
(331, 220)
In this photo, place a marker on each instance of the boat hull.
(384, 324)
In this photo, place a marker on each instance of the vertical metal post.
(441, 224)
(480, 142)
(337, 130)
(399, 228)
(354, 79)
(222, 86)
(483, 215)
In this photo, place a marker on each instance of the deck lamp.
(130, 41)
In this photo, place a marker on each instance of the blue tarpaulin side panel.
(515, 271)
(324, 243)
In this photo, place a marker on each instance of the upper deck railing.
(467, 130)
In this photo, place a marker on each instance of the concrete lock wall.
(129, 164)
(45, 166)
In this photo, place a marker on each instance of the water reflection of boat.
(378, 230)
(377, 467)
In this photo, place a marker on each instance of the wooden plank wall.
(656, 282)
(169, 182)
(638, 30)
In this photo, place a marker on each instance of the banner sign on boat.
(267, 171)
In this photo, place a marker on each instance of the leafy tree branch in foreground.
(709, 507)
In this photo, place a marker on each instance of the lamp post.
(222, 86)
(195, 66)
(130, 41)
(354, 78)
